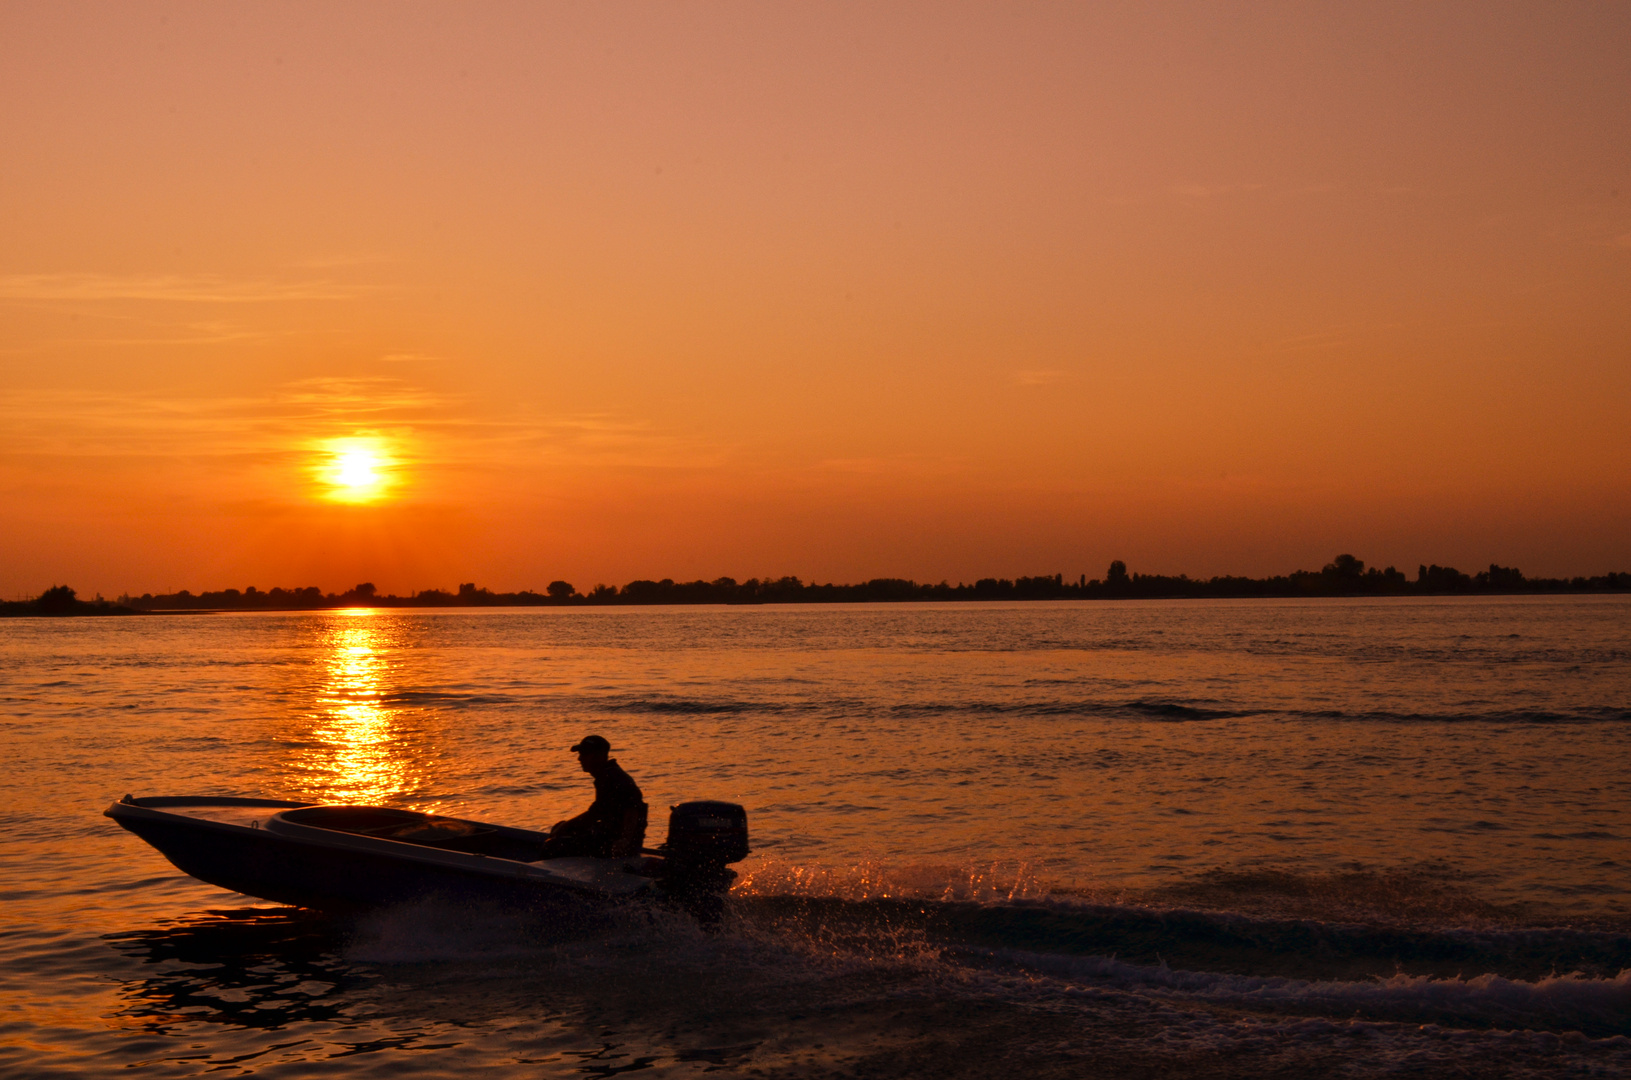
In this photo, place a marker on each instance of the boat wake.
(799, 985)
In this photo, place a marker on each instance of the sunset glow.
(411, 296)
(349, 750)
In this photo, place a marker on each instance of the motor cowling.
(707, 833)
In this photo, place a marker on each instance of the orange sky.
(842, 291)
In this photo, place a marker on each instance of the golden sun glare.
(355, 470)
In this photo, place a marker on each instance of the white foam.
(871, 879)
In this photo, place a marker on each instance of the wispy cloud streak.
(169, 288)
(428, 430)
(1041, 377)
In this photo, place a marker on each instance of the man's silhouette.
(615, 823)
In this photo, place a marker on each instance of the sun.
(355, 470)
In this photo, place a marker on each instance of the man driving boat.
(615, 823)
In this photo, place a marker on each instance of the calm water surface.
(1245, 838)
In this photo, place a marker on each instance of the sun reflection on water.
(356, 742)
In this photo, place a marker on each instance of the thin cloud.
(328, 396)
(1195, 193)
(330, 262)
(609, 439)
(1203, 191)
(169, 288)
(1321, 339)
(178, 334)
(428, 429)
(59, 422)
(921, 466)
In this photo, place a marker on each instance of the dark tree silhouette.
(57, 600)
(1344, 567)
(1500, 577)
(1344, 575)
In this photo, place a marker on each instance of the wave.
(448, 698)
(1593, 715)
(1168, 710)
(1598, 1007)
(1172, 710)
(1422, 919)
(1526, 977)
(694, 706)
(1202, 940)
(1175, 710)
(832, 954)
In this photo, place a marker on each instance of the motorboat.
(348, 858)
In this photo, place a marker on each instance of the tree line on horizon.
(1343, 576)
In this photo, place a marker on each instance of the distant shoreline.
(1344, 576)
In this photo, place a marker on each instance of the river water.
(1054, 839)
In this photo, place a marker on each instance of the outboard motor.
(702, 838)
(707, 833)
